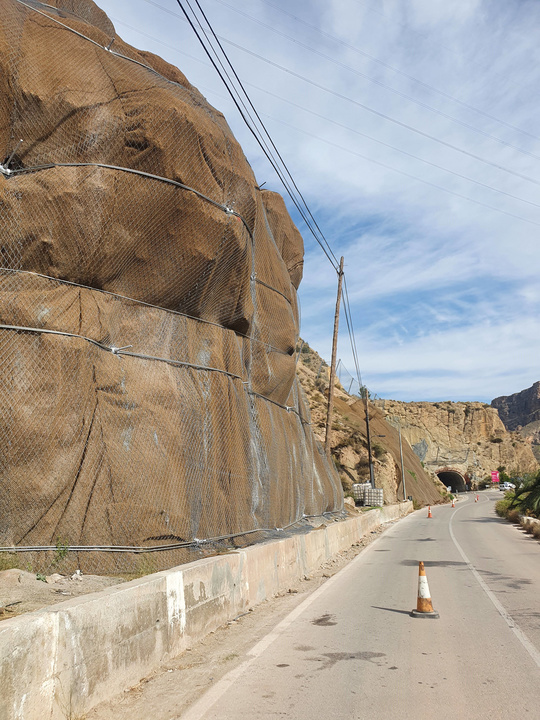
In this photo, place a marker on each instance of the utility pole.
(370, 456)
(330, 410)
(401, 458)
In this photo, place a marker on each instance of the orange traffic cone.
(453, 503)
(429, 512)
(476, 499)
(424, 608)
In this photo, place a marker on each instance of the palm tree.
(527, 495)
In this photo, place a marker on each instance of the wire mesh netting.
(148, 312)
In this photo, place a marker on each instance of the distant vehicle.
(505, 486)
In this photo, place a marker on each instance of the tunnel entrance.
(453, 479)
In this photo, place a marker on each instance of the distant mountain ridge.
(521, 412)
(519, 409)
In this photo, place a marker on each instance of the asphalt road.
(352, 651)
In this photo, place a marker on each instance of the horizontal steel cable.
(117, 350)
(137, 549)
(228, 210)
(124, 352)
(144, 304)
(288, 408)
(51, 165)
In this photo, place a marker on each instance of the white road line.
(211, 696)
(523, 639)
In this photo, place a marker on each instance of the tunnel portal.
(453, 479)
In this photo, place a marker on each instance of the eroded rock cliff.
(520, 408)
(148, 304)
(349, 444)
(521, 412)
(467, 438)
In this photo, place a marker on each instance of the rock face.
(349, 440)
(519, 409)
(467, 439)
(148, 303)
(521, 412)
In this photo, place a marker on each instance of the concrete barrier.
(61, 661)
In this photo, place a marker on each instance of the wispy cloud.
(442, 257)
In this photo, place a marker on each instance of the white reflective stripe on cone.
(423, 588)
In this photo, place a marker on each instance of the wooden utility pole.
(401, 458)
(330, 410)
(368, 437)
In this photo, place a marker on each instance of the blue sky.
(413, 135)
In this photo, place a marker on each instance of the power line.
(383, 115)
(382, 84)
(388, 117)
(267, 134)
(350, 328)
(477, 182)
(384, 64)
(392, 147)
(409, 175)
(356, 132)
(252, 125)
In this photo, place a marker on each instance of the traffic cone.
(453, 503)
(429, 512)
(424, 608)
(476, 499)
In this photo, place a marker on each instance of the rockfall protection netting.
(148, 312)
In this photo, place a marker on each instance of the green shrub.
(8, 561)
(527, 495)
(378, 450)
(513, 515)
(502, 507)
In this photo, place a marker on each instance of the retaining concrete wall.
(63, 660)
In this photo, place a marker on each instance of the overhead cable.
(391, 147)
(267, 134)
(382, 84)
(409, 175)
(387, 117)
(395, 121)
(244, 113)
(384, 64)
(358, 132)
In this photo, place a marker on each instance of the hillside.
(349, 438)
(460, 443)
(521, 411)
(466, 438)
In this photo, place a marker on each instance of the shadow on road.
(486, 520)
(401, 612)
(435, 563)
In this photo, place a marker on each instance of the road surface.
(351, 649)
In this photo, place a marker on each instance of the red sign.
(494, 476)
